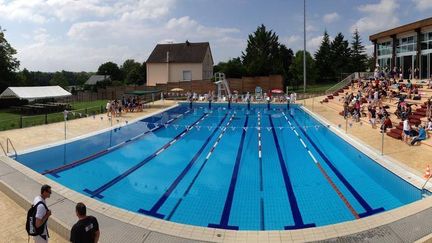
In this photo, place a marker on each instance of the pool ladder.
(8, 151)
(423, 190)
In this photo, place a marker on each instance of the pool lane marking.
(260, 153)
(200, 169)
(153, 211)
(98, 191)
(295, 210)
(353, 191)
(262, 220)
(223, 224)
(76, 163)
(326, 176)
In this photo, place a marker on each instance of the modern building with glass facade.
(408, 47)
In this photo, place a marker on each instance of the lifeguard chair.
(222, 86)
(258, 93)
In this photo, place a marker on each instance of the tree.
(323, 60)
(25, 78)
(359, 57)
(370, 67)
(59, 79)
(133, 72)
(261, 53)
(8, 63)
(286, 58)
(137, 75)
(297, 68)
(234, 68)
(110, 68)
(340, 55)
(82, 77)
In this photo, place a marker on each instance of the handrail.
(348, 79)
(424, 185)
(8, 141)
(342, 83)
(4, 151)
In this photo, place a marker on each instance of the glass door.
(424, 67)
(430, 65)
(407, 66)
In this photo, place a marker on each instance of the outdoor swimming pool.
(237, 168)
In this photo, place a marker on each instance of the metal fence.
(29, 121)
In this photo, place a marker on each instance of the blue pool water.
(237, 168)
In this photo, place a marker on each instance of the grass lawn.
(88, 104)
(11, 120)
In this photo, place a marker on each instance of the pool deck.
(19, 185)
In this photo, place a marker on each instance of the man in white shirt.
(42, 214)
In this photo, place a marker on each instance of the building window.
(426, 41)
(187, 75)
(385, 63)
(406, 44)
(385, 48)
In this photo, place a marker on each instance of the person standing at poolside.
(86, 230)
(108, 108)
(42, 214)
(406, 130)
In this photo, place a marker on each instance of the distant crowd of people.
(246, 97)
(369, 100)
(396, 73)
(130, 104)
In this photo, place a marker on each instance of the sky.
(77, 35)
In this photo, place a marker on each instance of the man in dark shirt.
(86, 230)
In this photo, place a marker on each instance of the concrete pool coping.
(20, 183)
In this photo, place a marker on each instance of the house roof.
(96, 78)
(404, 28)
(36, 92)
(179, 52)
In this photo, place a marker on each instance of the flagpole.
(304, 46)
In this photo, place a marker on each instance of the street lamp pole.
(304, 46)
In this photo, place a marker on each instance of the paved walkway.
(414, 157)
(12, 221)
(12, 225)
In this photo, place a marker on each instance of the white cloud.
(187, 27)
(144, 9)
(174, 29)
(380, 16)
(369, 49)
(292, 40)
(70, 10)
(125, 39)
(331, 17)
(310, 27)
(100, 30)
(73, 57)
(41, 35)
(22, 10)
(423, 5)
(41, 11)
(313, 43)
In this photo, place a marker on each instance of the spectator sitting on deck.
(421, 135)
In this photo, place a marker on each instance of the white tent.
(36, 92)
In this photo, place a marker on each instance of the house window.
(187, 75)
